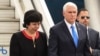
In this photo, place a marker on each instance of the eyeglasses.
(83, 17)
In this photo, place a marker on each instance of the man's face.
(83, 18)
(70, 14)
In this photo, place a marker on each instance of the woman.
(30, 41)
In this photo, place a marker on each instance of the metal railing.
(41, 6)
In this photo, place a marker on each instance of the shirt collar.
(68, 24)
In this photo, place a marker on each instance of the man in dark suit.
(62, 41)
(93, 35)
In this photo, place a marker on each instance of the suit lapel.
(79, 33)
(66, 30)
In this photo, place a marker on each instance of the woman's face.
(33, 26)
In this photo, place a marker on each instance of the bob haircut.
(32, 16)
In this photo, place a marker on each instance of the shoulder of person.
(93, 30)
(42, 33)
(18, 33)
(58, 25)
(80, 25)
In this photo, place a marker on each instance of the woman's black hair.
(32, 16)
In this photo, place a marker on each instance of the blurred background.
(12, 13)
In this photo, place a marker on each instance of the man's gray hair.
(69, 4)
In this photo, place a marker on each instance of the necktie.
(74, 36)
